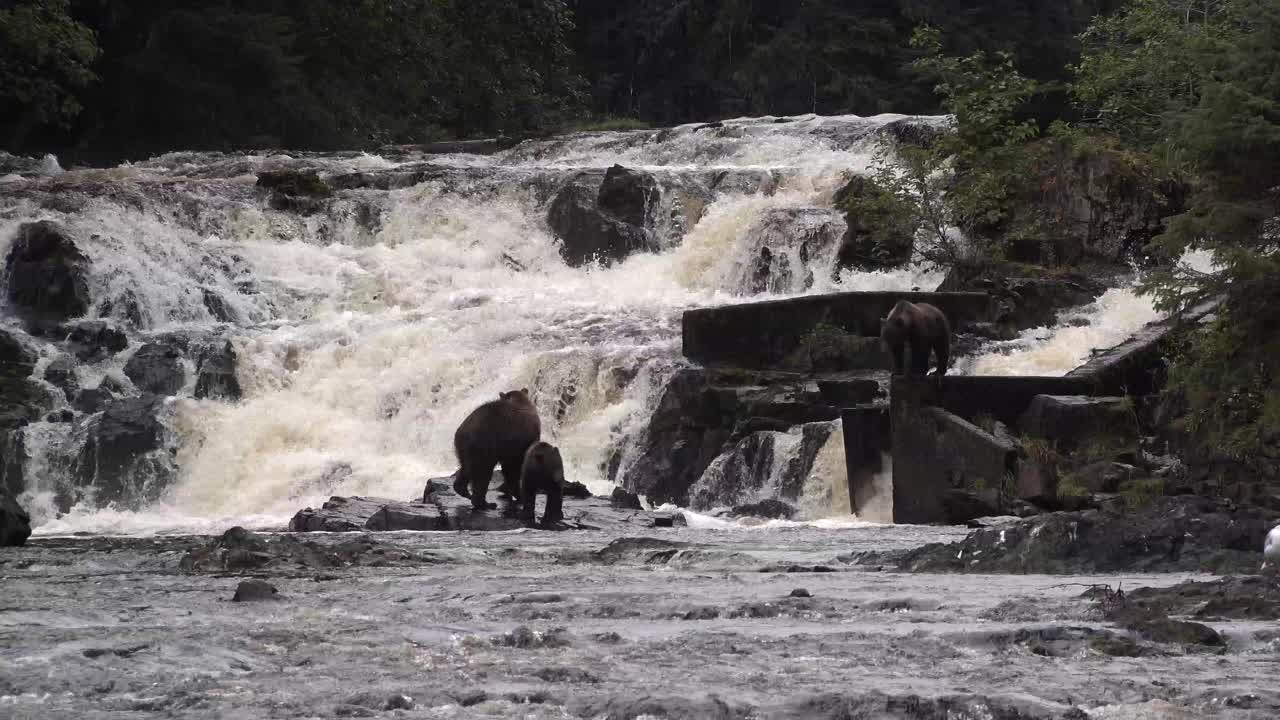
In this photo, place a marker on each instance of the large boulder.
(15, 523)
(94, 340)
(22, 401)
(124, 460)
(157, 368)
(880, 226)
(1023, 300)
(61, 373)
(630, 195)
(1172, 534)
(1091, 199)
(47, 275)
(590, 233)
(17, 359)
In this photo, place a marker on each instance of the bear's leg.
(919, 357)
(528, 499)
(479, 471)
(460, 484)
(511, 476)
(942, 348)
(555, 504)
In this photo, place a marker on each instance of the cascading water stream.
(366, 332)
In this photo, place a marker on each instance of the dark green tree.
(46, 60)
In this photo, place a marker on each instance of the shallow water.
(99, 627)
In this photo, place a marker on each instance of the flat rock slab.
(446, 511)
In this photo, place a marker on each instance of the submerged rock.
(47, 275)
(15, 523)
(255, 590)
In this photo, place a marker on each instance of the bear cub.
(496, 433)
(923, 328)
(543, 472)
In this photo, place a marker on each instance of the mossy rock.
(881, 229)
(294, 183)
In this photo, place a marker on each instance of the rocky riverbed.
(769, 622)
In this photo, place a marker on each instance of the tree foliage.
(46, 59)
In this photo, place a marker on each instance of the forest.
(1183, 91)
(144, 76)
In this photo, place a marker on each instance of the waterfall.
(365, 327)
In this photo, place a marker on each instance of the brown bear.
(924, 328)
(543, 472)
(496, 433)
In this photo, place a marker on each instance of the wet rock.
(254, 590)
(1021, 303)
(1173, 534)
(914, 707)
(17, 359)
(525, 638)
(648, 706)
(22, 401)
(15, 523)
(123, 459)
(239, 550)
(445, 510)
(629, 194)
(638, 549)
(399, 702)
(300, 191)
(217, 306)
(623, 500)
(47, 274)
(61, 373)
(565, 675)
(771, 509)
(216, 374)
(157, 368)
(964, 507)
(800, 593)
(576, 490)
(1175, 632)
(94, 340)
(590, 233)
(1241, 597)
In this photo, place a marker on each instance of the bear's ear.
(503, 395)
(524, 392)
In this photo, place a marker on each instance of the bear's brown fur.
(542, 472)
(923, 328)
(496, 433)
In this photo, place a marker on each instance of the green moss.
(294, 183)
(1140, 492)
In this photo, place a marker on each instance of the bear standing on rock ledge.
(924, 328)
(543, 472)
(496, 433)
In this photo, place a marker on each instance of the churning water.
(365, 332)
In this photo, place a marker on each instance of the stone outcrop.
(15, 523)
(123, 459)
(1172, 534)
(216, 373)
(1020, 302)
(157, 368)
(590, 233)
(94, 340)
(47, 275)
(442, 509)
(879, 233)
